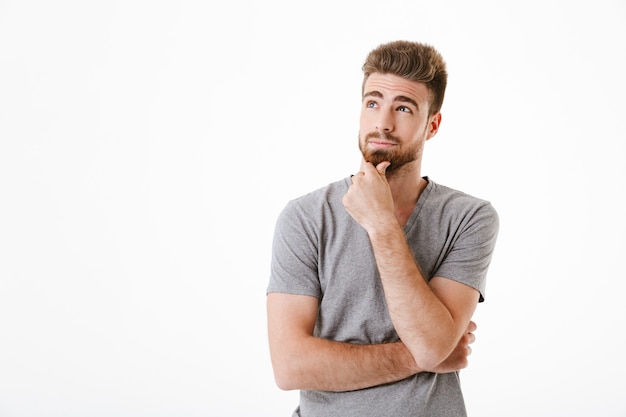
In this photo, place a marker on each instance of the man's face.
(394, 120)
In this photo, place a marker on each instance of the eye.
(405, 109)
(370, 104)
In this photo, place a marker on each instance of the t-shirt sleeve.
(294, 263)
(471, 252)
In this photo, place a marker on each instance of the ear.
(434, 122)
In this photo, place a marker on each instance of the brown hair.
(412, 61)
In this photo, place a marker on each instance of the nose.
(384, 122)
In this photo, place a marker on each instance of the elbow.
(291, 369)
(428, 363)
(287, 368)
(284, 384)
(285, 377)
(428, 358)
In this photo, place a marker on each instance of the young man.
(374, 278)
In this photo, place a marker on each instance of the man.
(374, 278)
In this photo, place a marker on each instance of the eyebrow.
(403, 99)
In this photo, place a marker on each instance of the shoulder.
(318, 201)
(453, 206)
(312, 210)
(456, 201)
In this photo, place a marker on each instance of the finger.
(379, 169)
(367, 167)
(364, 163)
(356, 176)
(471, 327)
(382, 167)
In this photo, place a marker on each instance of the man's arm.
(429, 317)
(302, 361)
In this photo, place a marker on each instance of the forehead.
(390, 86)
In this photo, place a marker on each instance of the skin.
(432, 318)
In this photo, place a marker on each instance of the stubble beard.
(397, 156)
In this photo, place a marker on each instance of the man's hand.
(369, 200)
(458, 358)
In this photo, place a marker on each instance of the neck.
(406, 187)
(407, 191)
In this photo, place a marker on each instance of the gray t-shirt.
(321, 251)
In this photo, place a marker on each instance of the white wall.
(146, 148)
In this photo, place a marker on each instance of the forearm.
(324, 365)
(422, 321)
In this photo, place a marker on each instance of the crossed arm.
(303, 361)
(432, 318)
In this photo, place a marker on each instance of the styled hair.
(412, 61)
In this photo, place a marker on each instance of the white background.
(146, 148)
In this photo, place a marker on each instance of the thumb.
(382, 167)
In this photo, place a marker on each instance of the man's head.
(412, 61)
(403, 88)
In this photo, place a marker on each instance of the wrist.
(384, 228)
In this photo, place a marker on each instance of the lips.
(381, 144)
(381, 140)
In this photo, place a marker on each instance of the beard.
(398, 156)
